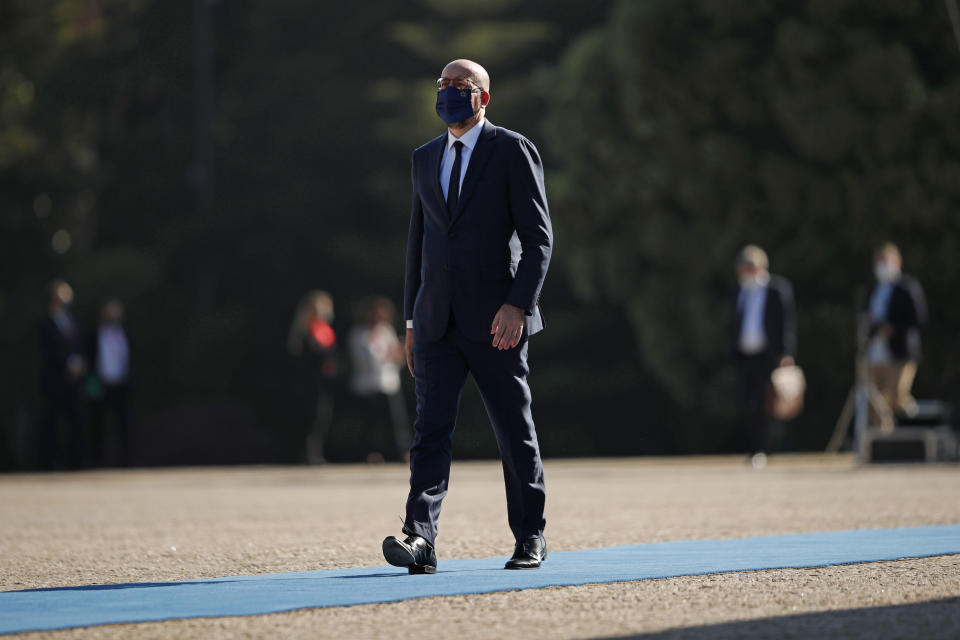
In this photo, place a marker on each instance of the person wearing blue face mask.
(478, 249)
(894, 311)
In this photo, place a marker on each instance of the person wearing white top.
(376, 356)
(109, 390)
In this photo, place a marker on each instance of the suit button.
(451, 235)
(445, 268)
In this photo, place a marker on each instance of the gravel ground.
(155, 525)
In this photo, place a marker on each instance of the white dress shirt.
(880, 302)
(752, 304)
(878, 350)
(469, 140)
(113, 354)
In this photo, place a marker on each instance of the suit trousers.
(440, 369)
(753, 388)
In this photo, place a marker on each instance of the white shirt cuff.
(409, 324)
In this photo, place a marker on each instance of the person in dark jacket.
(478, 250)
(763, 337)
(61, 373)
(376, 356)
(893, 313)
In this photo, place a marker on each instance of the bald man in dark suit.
(479, 246)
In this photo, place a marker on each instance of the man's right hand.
(408, 349)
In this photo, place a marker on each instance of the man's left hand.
(507, 327)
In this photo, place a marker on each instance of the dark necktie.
(453, 188)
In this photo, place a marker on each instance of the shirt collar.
(469, 139)
(763, 281)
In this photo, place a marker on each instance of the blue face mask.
(454, 105)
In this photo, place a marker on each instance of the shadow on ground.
(929, 620)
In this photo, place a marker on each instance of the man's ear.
(484, 98)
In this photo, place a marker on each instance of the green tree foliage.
(317, 108)
(818, 129)
(51, 170)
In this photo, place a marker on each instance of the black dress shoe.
(528, 554)
(414, 553)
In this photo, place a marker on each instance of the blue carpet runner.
(80, 606)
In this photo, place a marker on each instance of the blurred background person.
(108, 386)
(763, 336)
(376, 356)
(313, 341)
(893, 314)
(62, 370)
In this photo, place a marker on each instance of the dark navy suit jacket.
(494, 248)
(56, 348)
(779, 322)
(906, 313)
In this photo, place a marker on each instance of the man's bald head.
(476, 76)
(470, 70)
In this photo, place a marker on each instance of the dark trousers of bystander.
(115, 400)
(386, 425)
(60, 401)
(753, 388)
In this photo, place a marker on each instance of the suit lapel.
(478, 160)
(433, 162)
